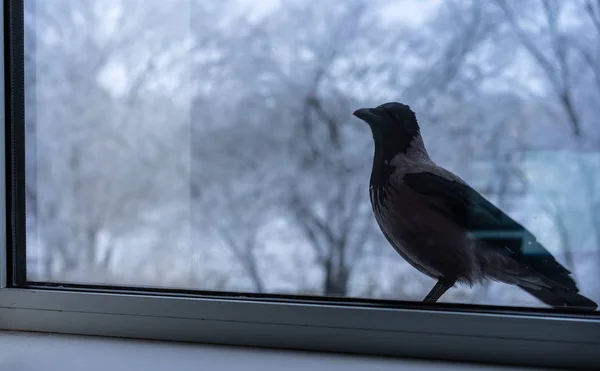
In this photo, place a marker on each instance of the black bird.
(446, 229)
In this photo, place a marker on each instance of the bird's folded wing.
(485, 221)
(468, 208)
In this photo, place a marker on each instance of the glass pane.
(211, 145)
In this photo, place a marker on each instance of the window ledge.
(30, 351)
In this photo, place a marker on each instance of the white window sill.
(28, 351)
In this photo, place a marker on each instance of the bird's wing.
(485, 221)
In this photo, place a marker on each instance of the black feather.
(558, 298)
(485, 221)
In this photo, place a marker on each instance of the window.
(192, 170)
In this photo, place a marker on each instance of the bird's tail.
(561, 298)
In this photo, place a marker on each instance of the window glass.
(211, 145)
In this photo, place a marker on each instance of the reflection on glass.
(211, 145)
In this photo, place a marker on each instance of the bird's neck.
(417, 152)
(389, 156)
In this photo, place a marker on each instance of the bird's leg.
(438, 290)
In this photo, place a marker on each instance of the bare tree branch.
(558, 76)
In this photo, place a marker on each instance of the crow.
(446, 229)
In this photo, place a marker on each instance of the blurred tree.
(210, 144)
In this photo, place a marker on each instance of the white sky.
(413, 12)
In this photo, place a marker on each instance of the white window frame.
(436, 331)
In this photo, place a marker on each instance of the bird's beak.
(365, 114)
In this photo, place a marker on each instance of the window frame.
(520, 339)
(451, 332)
(3, 191)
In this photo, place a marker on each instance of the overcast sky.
(411, 11)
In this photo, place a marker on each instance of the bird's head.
(394, 126)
